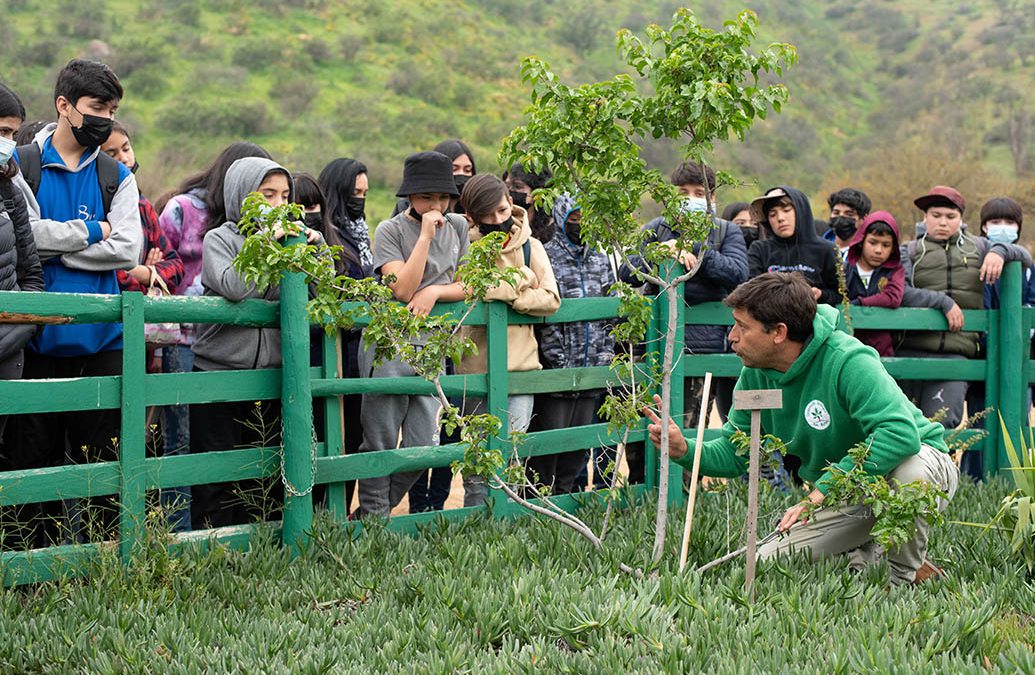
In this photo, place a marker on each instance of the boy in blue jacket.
(82, 241)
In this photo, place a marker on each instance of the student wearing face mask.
(19, 263)
(720, 262)
(848, 207)
(522, 183)
(489, 208)
(1001, 221)
(581, 272)
(83, 207)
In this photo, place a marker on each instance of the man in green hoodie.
(836, 394)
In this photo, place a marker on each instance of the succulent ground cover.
(529, 596)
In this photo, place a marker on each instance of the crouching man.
(836, 393)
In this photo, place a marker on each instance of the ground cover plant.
(528, 596)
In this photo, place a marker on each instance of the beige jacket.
(535, 294)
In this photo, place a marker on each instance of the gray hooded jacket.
(223, 347)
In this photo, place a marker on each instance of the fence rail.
(1005, 370)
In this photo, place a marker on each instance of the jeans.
(176, 438)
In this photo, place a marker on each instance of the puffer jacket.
(20, 268)
(952, 266)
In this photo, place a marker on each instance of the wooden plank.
(29, 486)
(935, 369)
(78, 393)
(212, 386)
(913, 318)
(719, 365)
(566, 379)
(333, 420)
(453, 385)
(195, 309)
(758, 399)
(68, 562)
(498, 382)
(211, 467)
(572, 310)
(77, 307)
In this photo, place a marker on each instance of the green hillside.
(889, 95)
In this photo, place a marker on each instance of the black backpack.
(30, 161)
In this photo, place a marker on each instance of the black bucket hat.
(428, 172)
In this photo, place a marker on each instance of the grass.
(484, 596)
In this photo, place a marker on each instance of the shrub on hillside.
(223, 117)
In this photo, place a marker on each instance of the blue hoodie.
(65, 216)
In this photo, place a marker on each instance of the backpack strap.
(107, 179)
(30, 163)
(526, 248)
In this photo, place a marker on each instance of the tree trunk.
(660, 524)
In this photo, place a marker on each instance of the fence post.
(1013, 360)
(133, 434)
(498, 384)
(299, 458)
(678, 403)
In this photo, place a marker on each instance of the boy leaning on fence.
(419, 252)
(83, 210)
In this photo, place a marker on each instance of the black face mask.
(413, 214)
(94, 132)
(486, 228)
(520, 199)
(844, 227)
(355, 207)
(573, 231)
(314, 221)
(133, 169)
(750, 232)
(460, 180)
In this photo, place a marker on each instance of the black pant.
(228, 426)
(558, 471)
(41, 440)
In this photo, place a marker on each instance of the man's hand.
(991, 268)
(106, 229)
(423, 301)
(430, 222)
(955, 318)
(676, 443)
(797, 513)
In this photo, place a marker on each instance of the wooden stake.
(702, 423)
(756, 401)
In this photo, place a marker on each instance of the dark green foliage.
(526, 596)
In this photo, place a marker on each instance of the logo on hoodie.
(816, 415)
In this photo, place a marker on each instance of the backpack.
(30, 160)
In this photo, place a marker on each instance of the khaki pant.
(832, 532)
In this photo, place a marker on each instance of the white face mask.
(7, 147)
(1002, 233)
(699, 204)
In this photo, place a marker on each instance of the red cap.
(941, 195)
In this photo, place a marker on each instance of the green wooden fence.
(1006, 372)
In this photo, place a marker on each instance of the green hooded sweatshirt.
(836, 394)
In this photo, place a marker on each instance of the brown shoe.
(928, 571)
